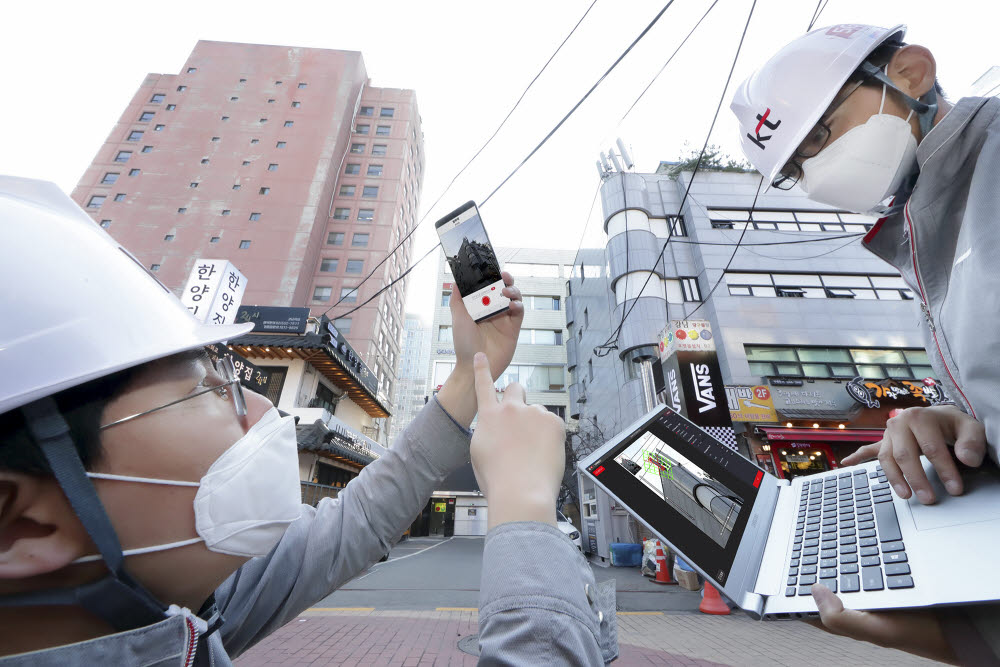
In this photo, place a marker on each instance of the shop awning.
(775, 434)
(338, 444)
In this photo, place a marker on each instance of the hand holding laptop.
(518, 453)
(926, 431)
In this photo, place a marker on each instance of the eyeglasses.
(814, 142)
(224, 366)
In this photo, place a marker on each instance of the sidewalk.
(367, 637)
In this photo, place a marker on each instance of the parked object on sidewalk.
(662, 567)
(568, 529)
(712, 602)
(626, 555)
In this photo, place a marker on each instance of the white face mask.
(248, 496)
(863, 168)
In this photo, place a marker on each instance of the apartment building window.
(302, 85)
(366, 111)
(171, 107)
(237, 186)
(386, 112)
(226, 211)
(819, 286)
(374, 170)
(262, 121)
(557, 410)
(445, 299)
(205, 160)
(225, 119)
(357, 148)
(349, 294)
(289, 123)
(445, 335)
(347, 190)
(105, 224)
(586, 319)
(280, 144)
(147, 149)
(110, 178)
(343, 325)
(380, 150)
(168, 237)
(341, 214)
(157, 98)
(146, 116)
(134, 172)
(353, 168)
(804, 221)
(366, 214)
(182, 210)
(214, 239)
(181, 89)
(534, 377)
(322, 293)
(278, 83)
(192, 70)
(123, 156)
(539, 337)
(328, 265)
(254, 217)
(246, 163)
(272, 167)
(120, 196)
(134, 135)
(154, 267)
(382, 131)
(193, 184)
(244, 244)
(519, 270)
(533, 302)
(335, 238)
(362, 128)
(254, 141)
(838, 362)
(216, 139)
(355, 266)
(370, 191)
(359, 241)
(270, 100)
(296, 105)
(691, 290)
(677, 224)
(590, 370)
(159, 128)
(264, 191)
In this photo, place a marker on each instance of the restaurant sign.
(896, 393)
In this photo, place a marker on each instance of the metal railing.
(313, 493)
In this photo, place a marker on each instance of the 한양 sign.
(213, 291)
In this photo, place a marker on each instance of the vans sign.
(702, 388)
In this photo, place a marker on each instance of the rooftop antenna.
(614, 160)
(624, 153)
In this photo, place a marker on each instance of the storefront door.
(442, 521)
(797, 459)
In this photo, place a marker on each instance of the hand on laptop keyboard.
(926, 431)
(917, 632)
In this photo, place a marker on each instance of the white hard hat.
(76, 305)
(781, 102)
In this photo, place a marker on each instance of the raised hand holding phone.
(473, 262)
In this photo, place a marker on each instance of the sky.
(70, 68)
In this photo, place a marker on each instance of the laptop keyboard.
(847, 536)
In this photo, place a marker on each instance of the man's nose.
(257, 405)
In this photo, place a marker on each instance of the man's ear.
(913, 70)
(39, 532)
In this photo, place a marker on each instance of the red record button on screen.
(757, 479)
(486, 300)
(598, 470)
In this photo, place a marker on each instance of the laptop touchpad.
(979, 502)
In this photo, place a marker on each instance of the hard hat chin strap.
(926, 111)
(117, 598)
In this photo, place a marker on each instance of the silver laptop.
(764, 541)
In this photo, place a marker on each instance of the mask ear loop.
(882, 103)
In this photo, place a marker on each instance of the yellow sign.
(751, 404)
(439, 507)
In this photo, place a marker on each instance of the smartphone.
(473, 262)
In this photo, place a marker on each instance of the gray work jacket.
(336, 540)
(946, 245)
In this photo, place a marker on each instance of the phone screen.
(470, 255)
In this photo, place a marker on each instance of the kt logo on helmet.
(759, 140)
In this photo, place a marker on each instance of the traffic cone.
(662, 572)
(712, 603)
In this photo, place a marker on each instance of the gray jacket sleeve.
(333, 542)
(538, 604)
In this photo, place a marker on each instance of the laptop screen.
(690, 488)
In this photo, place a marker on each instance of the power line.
(799, 259)
(816, 13)
(462, 170)
(731, 257)
(763, 243)
(612, 341)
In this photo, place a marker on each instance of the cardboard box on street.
(687, 579)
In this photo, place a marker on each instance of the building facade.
(539, 364)
(802, 318)
(284, 160)
(411, 385)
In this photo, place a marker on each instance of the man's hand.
(926, 431)
(496, 337)
(917, 632)
(518, 453)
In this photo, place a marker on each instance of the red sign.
(598, 470)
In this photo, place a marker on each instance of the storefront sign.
(250, 376)
(796, 458)
(785, 382)
(274, 319)
(686, 335)
(439, 507)
(213, 291)
(899, 393)
(346, 355)
(751, 404)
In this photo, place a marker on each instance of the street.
(415, 609)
